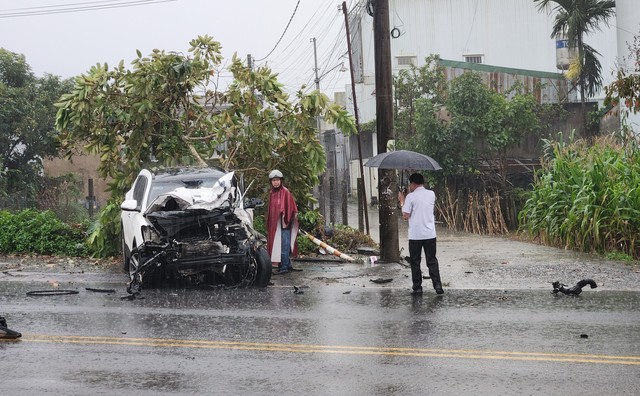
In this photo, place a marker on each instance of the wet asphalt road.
(328, 340)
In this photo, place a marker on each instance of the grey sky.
(69, 43)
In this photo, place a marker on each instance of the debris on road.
(53, 292)
(91, 289)
(381, 280)
(575, 290)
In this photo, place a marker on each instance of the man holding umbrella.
(418, 208)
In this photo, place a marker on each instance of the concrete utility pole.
(363, 202)
(317, 79)
(387, 180)
(319, 191)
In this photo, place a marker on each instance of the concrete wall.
(85, 168)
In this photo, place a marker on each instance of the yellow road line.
(335, 349)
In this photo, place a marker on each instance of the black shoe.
(8, 333)
(416, 292)
(295, 269)
(439, 290)
(281, 272)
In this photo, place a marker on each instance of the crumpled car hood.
(197, 198)
(198, 207)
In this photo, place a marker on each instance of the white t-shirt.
(420, 206)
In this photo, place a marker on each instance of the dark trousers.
(415, 248)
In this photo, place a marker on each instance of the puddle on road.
(159, 381)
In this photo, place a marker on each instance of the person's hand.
(401, 198)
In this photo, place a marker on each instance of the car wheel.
(133, 262)
(126, 254)
(263, 264)
(150, 278)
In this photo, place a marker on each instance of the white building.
(504, 33)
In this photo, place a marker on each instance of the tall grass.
(586, 198)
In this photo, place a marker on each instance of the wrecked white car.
(192, 225)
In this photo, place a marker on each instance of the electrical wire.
(293, 62)
(473, 21)
(283, 33)
(331, 57)
(75, 7)
(296, 56)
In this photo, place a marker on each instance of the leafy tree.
(576, 19)
(27, 118)
(474, 124)
(626, 88)
(427, 82)
(168, 108)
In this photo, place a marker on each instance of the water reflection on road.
(177, 333)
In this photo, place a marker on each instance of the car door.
(132, 215)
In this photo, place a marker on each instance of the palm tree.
(576, 19)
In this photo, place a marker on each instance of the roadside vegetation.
(31, 231)
(469, 129)
(585, 196)
(168, 110)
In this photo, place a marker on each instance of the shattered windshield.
(164, 187)
(201, 193)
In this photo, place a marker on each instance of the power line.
(293, 62)
(283, 33)
(75, 7)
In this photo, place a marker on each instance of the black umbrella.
(403, 159)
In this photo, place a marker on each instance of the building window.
(473, 58)
(406, 60)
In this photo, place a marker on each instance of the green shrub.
(105, 232)
(310, 221)
(306, 245)
(31, 231)
(620, 257)
(586, 198)
(343, 238)
(347, 239)
(259, 224)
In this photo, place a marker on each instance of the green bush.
(587, 198)
(306, 245)
(347, 239)
(259, 224)
(32, 231)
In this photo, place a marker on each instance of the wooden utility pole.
(361, 203)
(387, 180)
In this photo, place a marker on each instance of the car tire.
(263, 265)
(133, 261)
(126, 255)
(150, 278)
